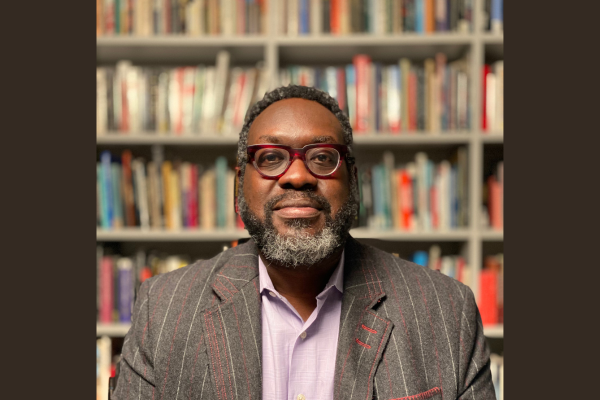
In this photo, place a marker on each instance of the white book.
(227, 17)
(133, 103)
(101, 102)
(144, 95)
(208, 103)
(393, 98)
(382, 93)
(490, 101)
(499, 113)
(316, 16)
(174, 101)
(187, 106)
(222, 72)
(104, 355)
(292, 17)
(331, 79)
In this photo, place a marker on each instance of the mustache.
(296, 195)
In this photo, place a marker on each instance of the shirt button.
(303, 336)
(272, 294)
(301, 397)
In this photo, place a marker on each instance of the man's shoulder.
(199, 273)
(393, 270)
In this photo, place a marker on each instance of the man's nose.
(297, 176)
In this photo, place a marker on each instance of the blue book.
(421, 258)
(125, 270)
(351, 93)
(221, 178)
(117, 199)
(107, 186)
(104, 221)
(497, 16)
(304, 16)
(420, 16)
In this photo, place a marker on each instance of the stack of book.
(342, 17)
(186, 100)
(494, 194)
(493, 98)
(453, 266)
(493, 12)
(430, 96)
(163, 194)
(497, 369)
(491, 290)
(417, 196)
(184, 17)
(119, 278)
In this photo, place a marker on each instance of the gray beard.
(297, 247)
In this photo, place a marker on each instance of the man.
(302, 310)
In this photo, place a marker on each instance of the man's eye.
(270, 158)
(323, 159)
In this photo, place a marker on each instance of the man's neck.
(301, 285)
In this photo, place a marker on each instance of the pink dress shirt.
(298, 358)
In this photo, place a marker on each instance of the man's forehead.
(291, 118)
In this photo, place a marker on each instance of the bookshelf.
(279, 51)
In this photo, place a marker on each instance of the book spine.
(361, 65)
(125, 267)
(488, 307)
(221, 192)
(351, 94)
(106, 290)
(497, 17)
(105, 160)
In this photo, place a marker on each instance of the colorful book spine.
(126, 288)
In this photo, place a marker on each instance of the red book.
(406, 199)
(495, 202)
(106, 289)
(460, 269)
(334, 16)
(488, 302)
(124, 105)
(486, 71)
(241, 17)
(109, 19)
(361, 66)
(412, 101)
(145, 273)
(341, 88)
(434, 206)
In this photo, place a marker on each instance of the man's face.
(297, 205)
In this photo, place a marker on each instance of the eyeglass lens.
(320, 160)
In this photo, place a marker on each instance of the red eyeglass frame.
(342, 149)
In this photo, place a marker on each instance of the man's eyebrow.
(268, 139)
(323, 139)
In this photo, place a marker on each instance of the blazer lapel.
(232, 329)
(363, 332)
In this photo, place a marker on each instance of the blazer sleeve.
(475, 380)
(136, 375)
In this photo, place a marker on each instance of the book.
(126, 289)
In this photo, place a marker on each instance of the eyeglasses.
(273, 160)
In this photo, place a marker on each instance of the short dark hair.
(289, 92)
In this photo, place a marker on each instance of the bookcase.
(484, 148)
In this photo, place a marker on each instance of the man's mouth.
(305, 208)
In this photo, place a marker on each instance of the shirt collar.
(336, 279)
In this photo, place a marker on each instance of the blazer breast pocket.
(431, 394)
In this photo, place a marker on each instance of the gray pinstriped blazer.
(406, 332)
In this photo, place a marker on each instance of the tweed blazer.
(406, 332)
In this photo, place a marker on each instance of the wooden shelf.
(494, 331)
(375, 40)
(492, 235)
(114, 330)
(492, 137)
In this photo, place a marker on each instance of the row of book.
(184, 17)
(178, 101)
(118, 280)
(428, 96)
(163, 194)
(493, 12)
(494, 199)
(453, 266)
(493, 97)
(491, 290)
(342, 17)
(417, 196)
